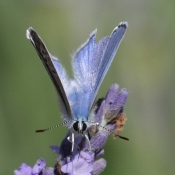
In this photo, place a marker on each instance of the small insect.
(120, 122)
(119, 118)
(90, 65)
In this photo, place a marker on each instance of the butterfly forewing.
(53, 67)
(109, 54)
(91, 64)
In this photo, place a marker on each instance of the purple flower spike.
(36, 170)
(110, 114)
(39, 166)
(98, 166)
(107, 102)
(112, 94)
(99, 140)
(82, 164)
(23, 169)
(121, 99)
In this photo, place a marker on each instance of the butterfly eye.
(84, 126)
(75, 126)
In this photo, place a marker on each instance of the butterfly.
(90, 65)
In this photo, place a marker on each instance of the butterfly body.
(90, 65)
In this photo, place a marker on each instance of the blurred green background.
(144, 65)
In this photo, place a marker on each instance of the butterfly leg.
(71, 140)
(86, 136)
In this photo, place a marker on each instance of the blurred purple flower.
(109, 113)
(38, 169)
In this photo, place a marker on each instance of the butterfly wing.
(109, 53)
(91, 64)
(54, 69)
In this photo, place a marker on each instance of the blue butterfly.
(90, 65)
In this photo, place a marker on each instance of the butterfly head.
(79, 127)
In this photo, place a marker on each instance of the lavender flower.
(38, 169)
(83, 161)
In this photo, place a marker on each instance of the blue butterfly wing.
(90, 66)
(109, 54)
(86, 69)
(54, 69)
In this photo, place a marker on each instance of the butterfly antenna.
(121, 137)
(116, 135)
(52, 127)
